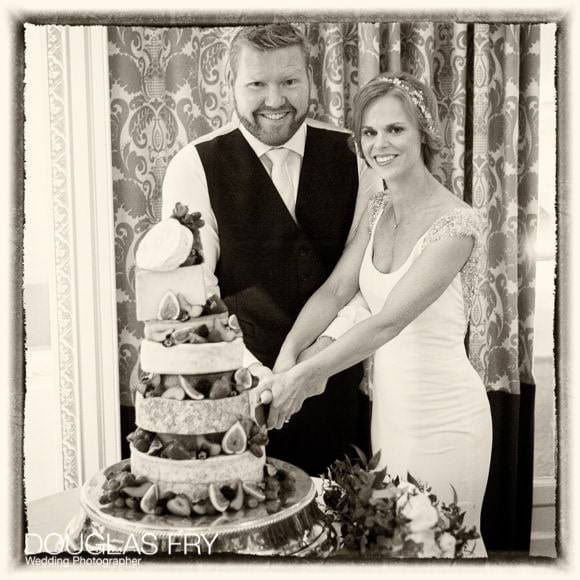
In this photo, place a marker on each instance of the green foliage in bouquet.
(381, 516)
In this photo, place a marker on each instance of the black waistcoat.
(268, 265)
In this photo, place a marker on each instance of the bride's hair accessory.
(415, 95)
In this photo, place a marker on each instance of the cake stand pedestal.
(299, 528)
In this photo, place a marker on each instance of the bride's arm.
(325, 303)
(422, 284)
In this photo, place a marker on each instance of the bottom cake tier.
(192, 477)
(297, 527)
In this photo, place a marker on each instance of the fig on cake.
(252, 490)
(243, 379)
(137, 491)
(148, 502)
(237, 503)
(217, 498)
(168, 307)
(156, 447)
(189, 389)
(235, 440)
(182, 335)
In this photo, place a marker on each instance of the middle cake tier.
(191, 359)
(161, 415)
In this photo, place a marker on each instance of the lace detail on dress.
(376, 204)
(461, 223)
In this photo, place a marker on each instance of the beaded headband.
(416, 96)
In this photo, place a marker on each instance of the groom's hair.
(265, 38)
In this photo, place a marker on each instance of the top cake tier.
(186, 333)
(169, 282)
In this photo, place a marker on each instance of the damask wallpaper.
(168, 87)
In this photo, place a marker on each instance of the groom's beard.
(272, 133)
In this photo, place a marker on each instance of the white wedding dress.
(430, 415)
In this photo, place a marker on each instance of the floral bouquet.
(381, 516)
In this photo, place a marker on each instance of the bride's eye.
(396, 130)
(368, 132)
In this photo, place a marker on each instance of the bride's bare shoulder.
(448, 201)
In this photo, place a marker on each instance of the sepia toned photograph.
(291, 289)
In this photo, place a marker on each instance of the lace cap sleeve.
(462, 223)
(376, 204)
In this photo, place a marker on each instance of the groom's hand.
(289, 394)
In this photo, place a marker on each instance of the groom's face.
(271, 92)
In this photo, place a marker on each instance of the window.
(544, 464)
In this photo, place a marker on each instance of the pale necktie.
(281, 177)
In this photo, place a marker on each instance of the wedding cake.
(199, 445)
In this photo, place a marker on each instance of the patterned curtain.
(168, 87)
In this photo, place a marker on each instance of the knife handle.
(266, 397)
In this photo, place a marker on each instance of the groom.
(278, 193)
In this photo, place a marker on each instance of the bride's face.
(390, 138)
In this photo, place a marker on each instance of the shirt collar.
(296, 143)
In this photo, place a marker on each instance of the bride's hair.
(418, 100)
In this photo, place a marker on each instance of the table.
(48, 518)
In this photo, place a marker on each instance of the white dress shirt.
(185, 182)
(295, 146)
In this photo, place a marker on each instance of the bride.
(414, 259)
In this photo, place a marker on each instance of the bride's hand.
(319, 344)
(289, 358)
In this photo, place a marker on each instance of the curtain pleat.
(368, 51)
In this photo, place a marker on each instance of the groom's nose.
(274, 96)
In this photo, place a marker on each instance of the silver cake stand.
(299, 528)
